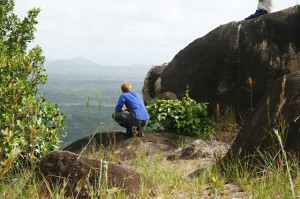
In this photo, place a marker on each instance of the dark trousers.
(257, 14)
(128, 121)
(125, 119)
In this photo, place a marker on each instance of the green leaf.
(24, 116)
(188, 116)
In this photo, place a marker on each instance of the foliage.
(187, 116)
(29, 124)
(297, 8)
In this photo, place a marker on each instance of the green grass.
(271, 178)
(170, 177)
(276, 175)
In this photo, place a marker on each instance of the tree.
(29, 124)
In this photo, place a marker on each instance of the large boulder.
(124, 148)
(217, 66)
(278, 109)
(84, 177)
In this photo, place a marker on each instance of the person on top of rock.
(134, 114)
(263, 7)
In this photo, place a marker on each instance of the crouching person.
(130, 111)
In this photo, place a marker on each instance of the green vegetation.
(186, 116)
(29, 124)
(227, 124)
(236, 179)
(29, 127)
(297, 8)
(269, 180)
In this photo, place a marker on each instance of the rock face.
(63, 168)
(280, 101)
(217, 66)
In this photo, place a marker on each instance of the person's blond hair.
(126, 86)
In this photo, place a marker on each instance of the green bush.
(187, 116)
(29, 124)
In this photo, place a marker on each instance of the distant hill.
(83, 67)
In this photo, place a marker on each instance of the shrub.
(29, 124)
(187, 116)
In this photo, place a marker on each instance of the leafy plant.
(29, 124)
(187, 116)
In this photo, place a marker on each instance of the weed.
(181, 143)
(216, 182)
(251, 92)
(228, 126)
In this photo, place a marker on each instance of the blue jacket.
(134, 105)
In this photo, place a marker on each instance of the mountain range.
(84, 67)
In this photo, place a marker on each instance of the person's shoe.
(257, 14)
(129, 132)
(141, 132)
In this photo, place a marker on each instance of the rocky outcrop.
(96, 141)
(217, 66)
(199, 148)
(68, 175)
(278, 110)
(78, 175)
(125, 148)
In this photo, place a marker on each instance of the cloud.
(118, 32)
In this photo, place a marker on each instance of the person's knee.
(115, 116)
(119, 117)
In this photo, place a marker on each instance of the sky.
(126, 32)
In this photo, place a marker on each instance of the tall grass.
(227, 123)
(267, 179)
(167, 176)
(270, 173)
(275, 176)
(30, 184)
(19, 183)
(170, 177)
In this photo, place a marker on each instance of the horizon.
(92, 62)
